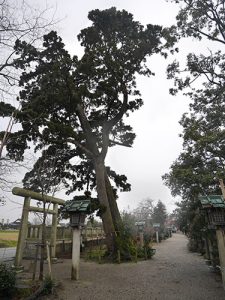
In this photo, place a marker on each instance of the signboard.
(156, 225)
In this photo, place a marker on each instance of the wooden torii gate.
(28, 195)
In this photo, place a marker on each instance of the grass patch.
(9, 235)
(7, 244)
(94, 254)
(8, 238)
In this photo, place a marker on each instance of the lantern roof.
(140, 223)
(76, 205)
(212, 201)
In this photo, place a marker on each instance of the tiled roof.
(212, 201)
(76, 205)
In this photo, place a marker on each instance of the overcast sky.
(156, 124)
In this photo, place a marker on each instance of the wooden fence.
(63, 238)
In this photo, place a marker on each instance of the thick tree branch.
(119, 144)
(121, 112)
(82, 147)
(90, 138)
(109, 124)
(208, 35)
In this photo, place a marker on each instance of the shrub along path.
(172, 274)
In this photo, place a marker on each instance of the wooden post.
(221, 240)
(157, 236)
(207, 251)
(63, 239)
(146, 255)
(118, 256)
(221, 247)
(75, 254)
(99, 255)
(141, 236)
(40, 231)
(222, 188)
(35, 261)
(29, 231)
(49, 260)
(22, 232)
(212, 254)
(36, 232)
(54, 231)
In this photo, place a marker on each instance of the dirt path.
(173, 274)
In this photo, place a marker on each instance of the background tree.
(180, 216)
(82, 104)
(44, 178)
(144, 211)
(201, 162)
(159, 214)
(18, 21)
(129, 219)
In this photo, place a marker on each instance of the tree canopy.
(201, 162)
(80, 105)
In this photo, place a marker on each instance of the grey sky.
(156, 124)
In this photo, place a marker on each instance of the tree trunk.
(117, 221)
(123, 240)
(103, 199)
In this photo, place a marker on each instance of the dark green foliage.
(145, 252)
(126, 245)
(79, 106)
(129, 220)
(46, 173)
(7, 281)
(48, 286)
(59, 82)
(6, 109)
(120, 180)
(97, 80)
(148, 251)
(159, 214)
(201, 162)
(200, 19)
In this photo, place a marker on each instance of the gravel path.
(172, 274)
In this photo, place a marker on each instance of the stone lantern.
(140, 225)
(156, 226)
(77, 218)
(214, 209)
(77, 210)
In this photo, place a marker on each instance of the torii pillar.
(28, 195)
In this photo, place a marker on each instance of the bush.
(48, 285)
(125, 245)
(7, 280)
(145, 252)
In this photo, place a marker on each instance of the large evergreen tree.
(159, 214)
(81, 105)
